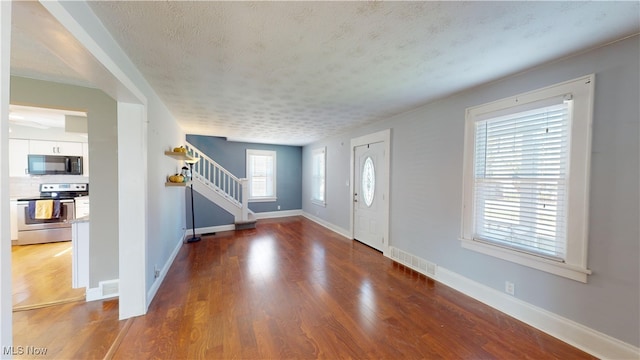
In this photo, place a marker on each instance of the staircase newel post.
(245, 199)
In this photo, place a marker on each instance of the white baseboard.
(328, 225)
(277, 214)
(272, 215)
(93, 294)
(208, 230)
(106, 290)
(163, 273)
(589, 340)
(231, 227)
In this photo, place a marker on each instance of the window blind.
(318, 175)
(520, 180)
(261, 172)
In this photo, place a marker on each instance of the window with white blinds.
(261, 172)
(526, 178)
(520, 175)
(318, 176)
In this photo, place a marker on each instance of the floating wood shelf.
(169, 183)
(179, 155)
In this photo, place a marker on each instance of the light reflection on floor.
(262, 268)
(262, 259)
(367, 304)
(318, 264)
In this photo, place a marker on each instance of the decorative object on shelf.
(186, 173)
(181, 154)
(177, 178)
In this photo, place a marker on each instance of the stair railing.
(220, 180)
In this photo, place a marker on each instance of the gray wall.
(337, 195)
(426, 191)
(165, 205)
(103, 177)
(232, 156)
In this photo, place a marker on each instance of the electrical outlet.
(278, 207)
(509, 288)
(156, 271)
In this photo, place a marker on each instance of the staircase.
(222, 187)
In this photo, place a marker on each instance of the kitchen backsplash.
(26, 186)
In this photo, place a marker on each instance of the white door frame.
(380, 136)
(6, 298)
(132, 238)
(132, 110)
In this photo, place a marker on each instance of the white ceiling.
(41, 118)
(296, 72)
(41, 48)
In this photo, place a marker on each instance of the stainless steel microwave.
(54, 165)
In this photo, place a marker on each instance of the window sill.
(263, 199)
(572, 272)
(319, 203)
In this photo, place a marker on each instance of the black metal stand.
(193, 238)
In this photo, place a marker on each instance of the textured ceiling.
(296, 72)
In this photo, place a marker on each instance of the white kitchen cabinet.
(13, 216)
(18, 152)
(44, 147)
(82, 206)
(85, 159)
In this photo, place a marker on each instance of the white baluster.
(245, 199)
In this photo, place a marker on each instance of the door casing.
(385, 167)
(366, 218)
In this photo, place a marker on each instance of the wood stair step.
(245, 225)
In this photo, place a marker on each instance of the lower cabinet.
(82, 206)
(80, 262)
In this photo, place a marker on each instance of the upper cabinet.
(85, 160)
(18, 151)
(43, 147)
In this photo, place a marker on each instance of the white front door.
(368, 194)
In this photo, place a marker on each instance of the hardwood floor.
(41, 275)
(78, 330)
(293, 289)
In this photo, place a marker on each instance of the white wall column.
(78, 19)
(6, 312)
(132, 208)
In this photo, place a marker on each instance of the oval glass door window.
(368, 181)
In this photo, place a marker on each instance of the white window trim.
(323, 151)
(575, 265)
(251, 152)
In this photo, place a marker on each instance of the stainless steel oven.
(36, 230)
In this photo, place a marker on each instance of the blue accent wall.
(232, 156)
